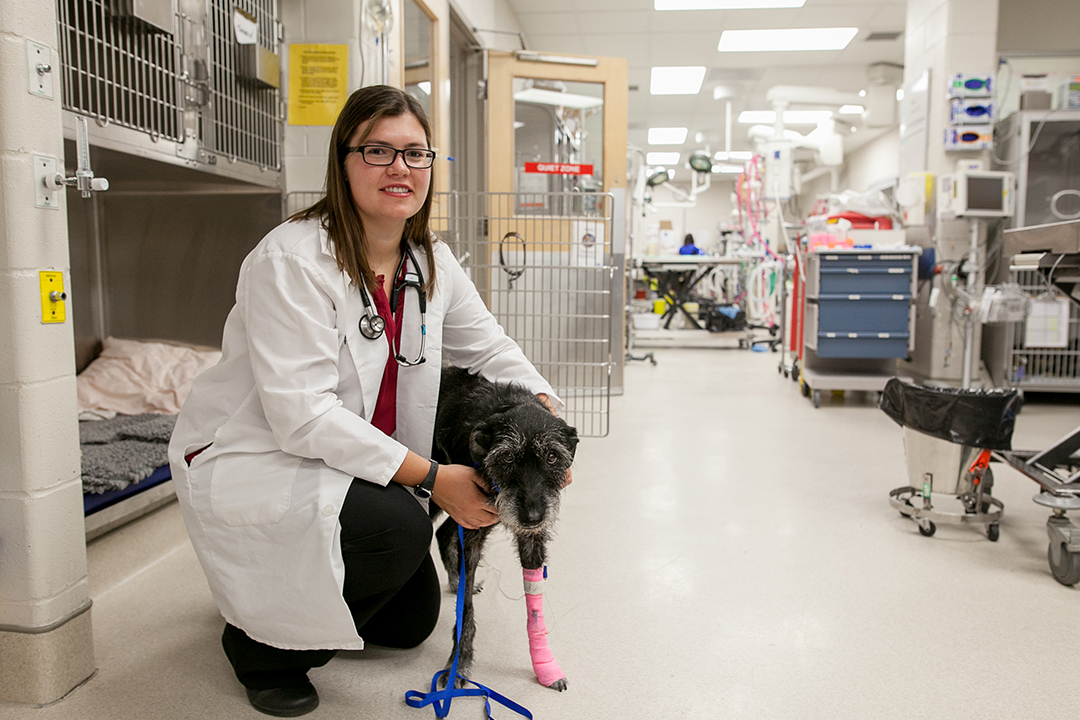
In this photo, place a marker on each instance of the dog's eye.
(553, 457)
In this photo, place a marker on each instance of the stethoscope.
(373, 325)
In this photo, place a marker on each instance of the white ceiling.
(647, 38)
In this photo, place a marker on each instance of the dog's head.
(524, 452)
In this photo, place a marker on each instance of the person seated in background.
(688, 246)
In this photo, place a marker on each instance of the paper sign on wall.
(318, 83)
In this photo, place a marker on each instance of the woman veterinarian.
(301, 458)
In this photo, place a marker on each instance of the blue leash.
(441, 699)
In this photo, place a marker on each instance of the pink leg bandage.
(543, 661)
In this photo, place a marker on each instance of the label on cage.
(245, 27)
(558, 168)
(1047, 323)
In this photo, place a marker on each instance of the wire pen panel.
(247, 116)
(118, 68)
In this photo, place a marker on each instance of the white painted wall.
(490, 15)
(713, 207)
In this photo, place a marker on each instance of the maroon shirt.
(385, 415)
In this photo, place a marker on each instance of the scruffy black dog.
(522, 452)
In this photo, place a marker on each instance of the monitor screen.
(985, 193)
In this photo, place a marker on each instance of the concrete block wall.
(46, 642)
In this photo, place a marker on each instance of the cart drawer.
(867, 260)
(860, 313)
(876, 280)
(862, 345)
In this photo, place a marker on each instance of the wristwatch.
(424, 489)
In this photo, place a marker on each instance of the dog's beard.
(507, 508)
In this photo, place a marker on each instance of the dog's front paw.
(559, 685)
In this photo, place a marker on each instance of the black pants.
(391, 586)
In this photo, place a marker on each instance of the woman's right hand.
(460, 492)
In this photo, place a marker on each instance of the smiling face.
(387, 196)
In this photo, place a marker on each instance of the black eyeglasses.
(416, 158)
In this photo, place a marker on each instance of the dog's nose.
(534, 515)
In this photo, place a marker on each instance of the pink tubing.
(543, 660)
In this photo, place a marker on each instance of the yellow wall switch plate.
(53, 297)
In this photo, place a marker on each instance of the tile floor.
(727, 551)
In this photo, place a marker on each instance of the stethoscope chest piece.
(372, 325)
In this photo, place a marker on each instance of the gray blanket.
(123, 450)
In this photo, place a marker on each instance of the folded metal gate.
(544, 265)
(543, 262)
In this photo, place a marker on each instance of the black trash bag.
(723, 318)
(979, 418)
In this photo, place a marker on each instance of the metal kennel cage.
(177, 74)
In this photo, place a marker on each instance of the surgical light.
(659, 177)
(786, 40)
(662, 158)
(791, 117)
(726, 4)
(700, 162)
(667, 136)
(681, 80)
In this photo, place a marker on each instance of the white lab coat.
(288, 411)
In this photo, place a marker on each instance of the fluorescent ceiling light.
(667, 136)
(726, 4)
(792, 39)
(851, 110)
(791, 117)
(677, 80)
(540, 96)
(730, 169)
(662, 158)
(733, 155)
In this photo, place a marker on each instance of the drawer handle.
(853, 271)
(854, 297)
(853, 335)
(830, 335)
(883, 336)
(897, 297)
(897, 271)
(866, 257)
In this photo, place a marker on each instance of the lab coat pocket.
(253, 488)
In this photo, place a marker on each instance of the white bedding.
(133, 377)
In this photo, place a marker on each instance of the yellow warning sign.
(318, 83)
(53, 297)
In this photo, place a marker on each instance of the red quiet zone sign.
(558, 168)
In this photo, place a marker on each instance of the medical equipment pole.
(972, 269)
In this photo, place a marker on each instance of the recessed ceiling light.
(854, 129)
(540, 96)
(851, 110)
(790, 39)
(899, 94)
(677, 80)
(791, 117)
(662, 158)
(726, 4)
(733, 155)
(730, 169)
(667, 136)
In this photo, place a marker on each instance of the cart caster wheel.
(804, 389)
(993, 532)
(929, 529)
(1067, 569)
(795, 373)
(817, 398)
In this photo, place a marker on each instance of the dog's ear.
(482, 437)
(570, 434)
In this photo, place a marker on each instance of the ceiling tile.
(550, 23)
(604, 23)
(566, 44)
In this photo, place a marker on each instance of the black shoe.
(285, 701)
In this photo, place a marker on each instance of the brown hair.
(336, 210)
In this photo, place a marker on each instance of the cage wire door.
(1040, 361)
(543, 264)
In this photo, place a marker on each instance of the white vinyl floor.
(727, 551)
